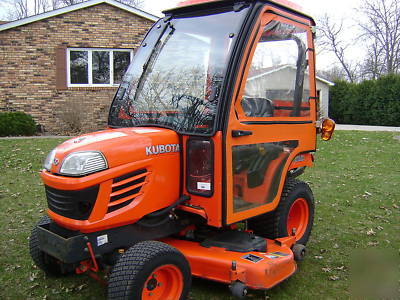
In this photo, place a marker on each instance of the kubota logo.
(159, 149)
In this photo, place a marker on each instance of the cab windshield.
(175, 78)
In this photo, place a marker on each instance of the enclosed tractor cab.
(196, 174)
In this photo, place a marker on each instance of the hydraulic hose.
(161, 212)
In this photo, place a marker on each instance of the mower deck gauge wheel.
(238, 290)
(299, 252)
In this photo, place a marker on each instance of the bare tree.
(373, 65)
(19, 9)
(334, 73)
(54, 4)
(70, 2)
(331, 39)
(133, 3)
(40, 6)
(382, 28)
(24, 8)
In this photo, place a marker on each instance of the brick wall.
(28, 66)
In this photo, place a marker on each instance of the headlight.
(49, 160)
(82, 163)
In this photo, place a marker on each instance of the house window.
(97, 67)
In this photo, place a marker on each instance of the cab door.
(272, 116)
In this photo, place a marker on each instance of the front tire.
(293, 216)
(150, 270)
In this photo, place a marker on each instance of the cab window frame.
(240, 113)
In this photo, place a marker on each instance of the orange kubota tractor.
(196, 174)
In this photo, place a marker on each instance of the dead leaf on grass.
(32, 276)
(367, 194)
(373, 243)
(55, 291)
(33, 286)
(371, 232)
(326, 269)
(67, 290)
(81, 287)
(341, 268)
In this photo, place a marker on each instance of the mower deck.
(256, 270)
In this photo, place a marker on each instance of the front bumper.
(66, 249)
(72, 246)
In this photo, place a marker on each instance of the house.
(277, 79)
(63, 67)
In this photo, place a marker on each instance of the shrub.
(371, 102)
(16, 123)
(72, 115)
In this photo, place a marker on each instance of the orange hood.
(121, 146)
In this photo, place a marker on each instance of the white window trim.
(90, 75)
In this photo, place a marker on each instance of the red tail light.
(200, 160)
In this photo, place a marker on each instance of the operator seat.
(257, 107)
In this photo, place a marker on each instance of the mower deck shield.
(257, 270)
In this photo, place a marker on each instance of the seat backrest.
(257, 107)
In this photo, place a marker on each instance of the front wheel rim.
(298, 218)
(164, 283)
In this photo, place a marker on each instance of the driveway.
(366, 128)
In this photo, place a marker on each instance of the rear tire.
(150, 270)
(50, 265)
(294, 214)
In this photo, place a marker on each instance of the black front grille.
(72, 204)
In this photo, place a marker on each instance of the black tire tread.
(263, 225)
(34, 250)
(267, 225)
(132, 263)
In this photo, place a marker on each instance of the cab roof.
(283, 2)
(190, 6)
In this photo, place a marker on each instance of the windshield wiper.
(161, 42)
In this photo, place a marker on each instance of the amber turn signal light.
(328, 126)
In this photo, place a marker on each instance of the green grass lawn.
(355, 180)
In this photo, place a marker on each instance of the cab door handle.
(239, 133)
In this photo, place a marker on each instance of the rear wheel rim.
(164, 283)
(298, 218)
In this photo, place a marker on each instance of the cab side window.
(277, 83)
